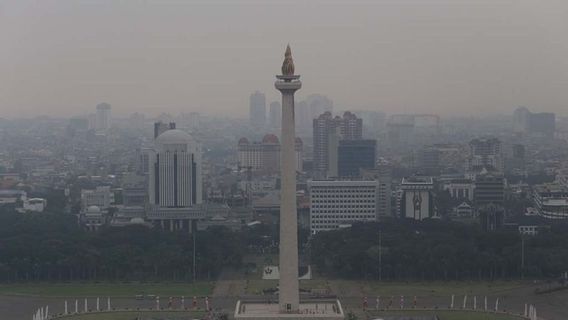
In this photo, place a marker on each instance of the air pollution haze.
(451, 57)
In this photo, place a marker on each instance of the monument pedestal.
(320, 309)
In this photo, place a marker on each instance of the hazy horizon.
(451, 57)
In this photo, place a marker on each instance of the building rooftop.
(417, 180)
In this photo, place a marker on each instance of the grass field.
(449, 315)
(108, 289)
(131, 315)
(374, 288)
(425, 288)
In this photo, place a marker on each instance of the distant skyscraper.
(257, 110)
(175, 171)
(275, 115)
(485, 154)
(539, 124)
(400, 132)
(103, 117)
(354, 155)
(318, 104)
(265, 156)
(161, 127)
(303, 118)
(325, 130)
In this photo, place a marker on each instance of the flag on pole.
(98, 305)
(108, 303)
(474, 302)
(464, 301)
(497, 305)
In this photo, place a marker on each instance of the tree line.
(438, 250)
(52, 247)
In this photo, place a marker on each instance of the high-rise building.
(325, 130)
(257, 110)
(354, 155)
(334, 204)
(383, 174)
(103, 117)
(318, 104)
(275, 115)
(489, 189)
(400, 132)
(489, 196)
(485, 154)
(538, 124)
(265, 155)
(303, 118)
(175, 171)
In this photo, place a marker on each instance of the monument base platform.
(311, 309)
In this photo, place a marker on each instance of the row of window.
(323, 216)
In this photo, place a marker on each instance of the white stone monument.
(289, 305)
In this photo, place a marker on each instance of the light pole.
(522, 257)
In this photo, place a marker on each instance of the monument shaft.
(289, 291)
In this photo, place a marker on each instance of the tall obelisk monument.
(289, 289)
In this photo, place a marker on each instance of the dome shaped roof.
(137, 220)
(93, 209)
(270, 138)
(174, 136)
(243, 141)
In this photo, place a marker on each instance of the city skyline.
(466, 58)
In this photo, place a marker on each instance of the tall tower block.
(289, 291)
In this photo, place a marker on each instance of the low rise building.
(101, 197)
(551, 200)
(417, 200)
(335, 203)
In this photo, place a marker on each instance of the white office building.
(334, 204)
(175, 171)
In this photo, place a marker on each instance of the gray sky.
(399, 56)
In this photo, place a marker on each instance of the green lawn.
(108, 289)
(256, 286)
(131, 315)
(437, 288)
(448, 315)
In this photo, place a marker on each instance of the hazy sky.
(399, 56)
